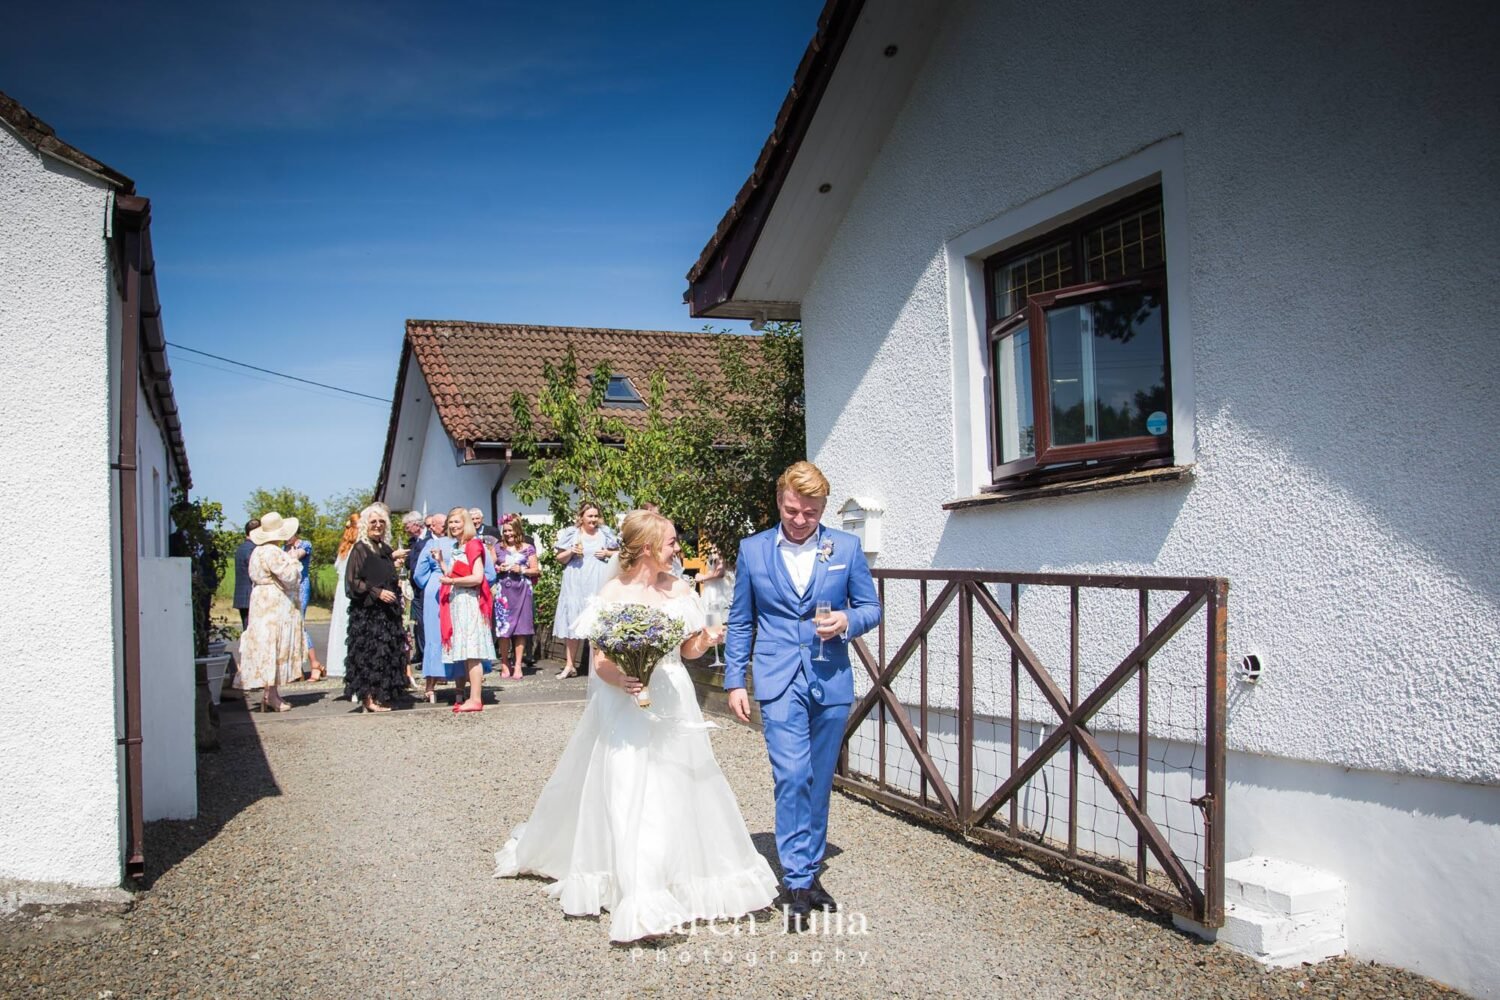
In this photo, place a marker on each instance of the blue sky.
(320, 172)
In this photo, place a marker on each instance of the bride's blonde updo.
(644, 532)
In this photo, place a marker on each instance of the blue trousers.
(803, 738)
(304, 591)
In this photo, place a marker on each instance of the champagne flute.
(822, 611)
(714, 616)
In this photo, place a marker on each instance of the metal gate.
(1167, 848)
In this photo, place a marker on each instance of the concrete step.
(1279, 913)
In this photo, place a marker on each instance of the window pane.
(621, 390)
(1107, 369)
(1015, 422)
(1124, 246)
(1044, 271)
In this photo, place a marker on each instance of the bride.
(638, 819)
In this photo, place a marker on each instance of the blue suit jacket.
(785, 638)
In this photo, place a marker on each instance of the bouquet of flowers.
(635, 637)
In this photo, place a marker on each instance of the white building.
(1282, 221)
(466, 373)
(96, 724)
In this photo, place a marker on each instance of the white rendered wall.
(169, 749)
(61, 819)
(442, 483)
(154, 479)
(1339, 229)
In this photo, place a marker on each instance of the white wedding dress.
(637, 819)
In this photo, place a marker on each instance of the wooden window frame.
(1055, 463)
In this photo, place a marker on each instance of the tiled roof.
(472, 369)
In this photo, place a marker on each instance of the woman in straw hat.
(272, 648)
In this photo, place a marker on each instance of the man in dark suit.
(417, 537)
(242, 573)
(481, 529)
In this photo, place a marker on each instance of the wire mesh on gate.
(1133, 793)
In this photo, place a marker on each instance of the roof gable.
(850, 84)
(42, 136)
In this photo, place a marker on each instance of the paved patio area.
(341, 854)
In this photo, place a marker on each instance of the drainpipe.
(495, 493)
(133, 215)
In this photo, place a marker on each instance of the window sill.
(1117, 481)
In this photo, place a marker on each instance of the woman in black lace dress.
(375, 662)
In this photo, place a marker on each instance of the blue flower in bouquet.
(635, 637)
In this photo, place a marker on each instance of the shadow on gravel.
(229, 781)
(765, 846)
(1077, 884)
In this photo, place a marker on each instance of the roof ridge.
(553, 329)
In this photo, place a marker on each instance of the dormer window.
(621, 392)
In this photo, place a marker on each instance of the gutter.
(133, 217)
(495, 493)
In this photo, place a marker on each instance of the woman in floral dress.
(272, 648)
(464, 609)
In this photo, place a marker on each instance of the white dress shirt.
(798, 559)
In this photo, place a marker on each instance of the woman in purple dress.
(515, 559)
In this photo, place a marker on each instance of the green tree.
(577, 462)
(746, 430)
(332, 517)
(708, 453)
(288, 503)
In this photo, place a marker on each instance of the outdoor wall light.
(1251, 665)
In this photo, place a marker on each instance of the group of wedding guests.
(469, 587)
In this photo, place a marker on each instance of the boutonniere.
(826, 552)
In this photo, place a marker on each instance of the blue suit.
(804, 703)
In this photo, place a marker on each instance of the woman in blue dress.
(303, 550)
(584, 548)
(427, 580)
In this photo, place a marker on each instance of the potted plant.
(544, 605)
(198, 536)
(215, 666)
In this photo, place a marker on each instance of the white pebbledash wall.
(442, 482)
(1333, 223)
(61, 816)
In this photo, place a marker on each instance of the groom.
(782, 575)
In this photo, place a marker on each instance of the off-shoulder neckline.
(601, 599)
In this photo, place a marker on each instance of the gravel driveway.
(344, 855)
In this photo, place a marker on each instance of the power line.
(268, 371)
(321, 394)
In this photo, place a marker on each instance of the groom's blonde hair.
(804, 478)
(643, 531)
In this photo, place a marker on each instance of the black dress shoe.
(820, 899)
(796, 908)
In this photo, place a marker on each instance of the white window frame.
(1161, 163)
